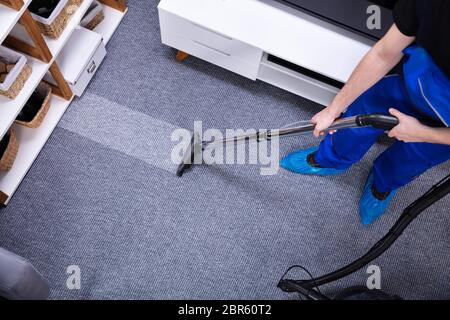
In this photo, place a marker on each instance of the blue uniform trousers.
(399, 164)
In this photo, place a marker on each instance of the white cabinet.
(238, 34)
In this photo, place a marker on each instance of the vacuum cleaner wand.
(196, 146)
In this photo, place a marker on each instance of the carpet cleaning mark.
(120, 128)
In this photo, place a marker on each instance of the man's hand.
(385, 55)
(409, 129)
(323, 120)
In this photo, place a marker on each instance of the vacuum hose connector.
(378, 121)
(387, 122)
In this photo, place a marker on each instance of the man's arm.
(439, 136)
(411, 130)
(384, 56)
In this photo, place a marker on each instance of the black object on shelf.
(43, 8)
(4, 144)
(31, 108)
(306, 72)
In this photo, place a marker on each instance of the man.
(421, 37)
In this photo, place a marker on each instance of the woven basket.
(9, 156)
(56, 28)
(18, 84)
(99, 17)
(45, 91)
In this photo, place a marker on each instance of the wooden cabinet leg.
(181, 56)
(120, 5)
(3, 198)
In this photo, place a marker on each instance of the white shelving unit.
(9, 18)
(9, 109)
(31, 141)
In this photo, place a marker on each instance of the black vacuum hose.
(435, 194)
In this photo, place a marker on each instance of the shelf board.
(9, 109)
(31, 142)
(56, 45)
(109, 25)
(9, 18)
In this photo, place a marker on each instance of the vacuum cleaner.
(309, 288)
(379, 121)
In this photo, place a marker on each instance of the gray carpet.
(103, 195)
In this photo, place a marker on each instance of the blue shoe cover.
(370, 208)
(297, 162)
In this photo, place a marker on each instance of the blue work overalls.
(421, 91)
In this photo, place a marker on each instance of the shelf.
(110, 24)
(31, 142)
(9, 18)
(56, 45)
(9, 109)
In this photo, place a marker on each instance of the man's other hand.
(409, 129)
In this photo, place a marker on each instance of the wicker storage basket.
(13, 82)
(9, 155)
(94, 16)
(43, 95)
(54, 25)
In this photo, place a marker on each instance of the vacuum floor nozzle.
(188, 158)
(182, 168)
